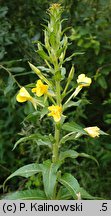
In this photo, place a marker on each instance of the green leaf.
(43, 55)
(63, 194)
(32, 115)
(68, 153)
(63, 72)
(85, 195)
(102, 82)
(11, 62)
(74, 127)
(2, 53)
(69, 136)
(74, 54)
(44, 112)
(24, 139)
(71, 184)
(10, 85)
(103, 133)
(17, 69)
(23, 74)
(26, 171)
(66, 29)
(42, 68)
(106, 70)
(70, 104)
(38, 138)
(49, 177)
(26, 195)
(45, 140)
(53, 40)
(88, 156)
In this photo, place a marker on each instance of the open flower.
(40, 88)
(23, 95)
(93, 131)
(83, 80)
(56, 112)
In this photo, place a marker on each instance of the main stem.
(58, 93)
(56, 144)
(57, 126)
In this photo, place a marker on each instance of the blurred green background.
(20, 26)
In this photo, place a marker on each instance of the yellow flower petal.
(20, 98)
(93, 131)
(40, 88)
(23, 95)
(34, 90)
(84, 80)
(56, 112)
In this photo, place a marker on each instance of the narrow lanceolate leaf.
(32, 115)
(68, 153)
(17, 69)
(88, 156)
(26, 195)
(74, 127)
(85, 195)
(35, 137)
(49, 178)
(63, 194)
(69, 136)
(74, 54)
(43, 112)
(70, 104)
(26, 171)
(24, 139)
(39, 74)
(44, 142)
(103, 133)
(71, 184)
(43, 55)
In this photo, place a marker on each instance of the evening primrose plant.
(51, 95)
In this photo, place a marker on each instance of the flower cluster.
(55, 46)
(42, 89)
(24, 96)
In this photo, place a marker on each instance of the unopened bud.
(39, 47)
(71, 73)
(55, 9)
(61, 58)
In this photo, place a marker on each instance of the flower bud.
(93, 131)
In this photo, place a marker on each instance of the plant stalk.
(58, 93)
(57, 127)
(56, 144)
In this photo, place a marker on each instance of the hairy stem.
(58, 93)
(56, 144)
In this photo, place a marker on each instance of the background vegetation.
(90, 32)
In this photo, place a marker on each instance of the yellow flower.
(83, 80)
(40, 88)
(93, 131)
(56, 112)
(23, 95)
